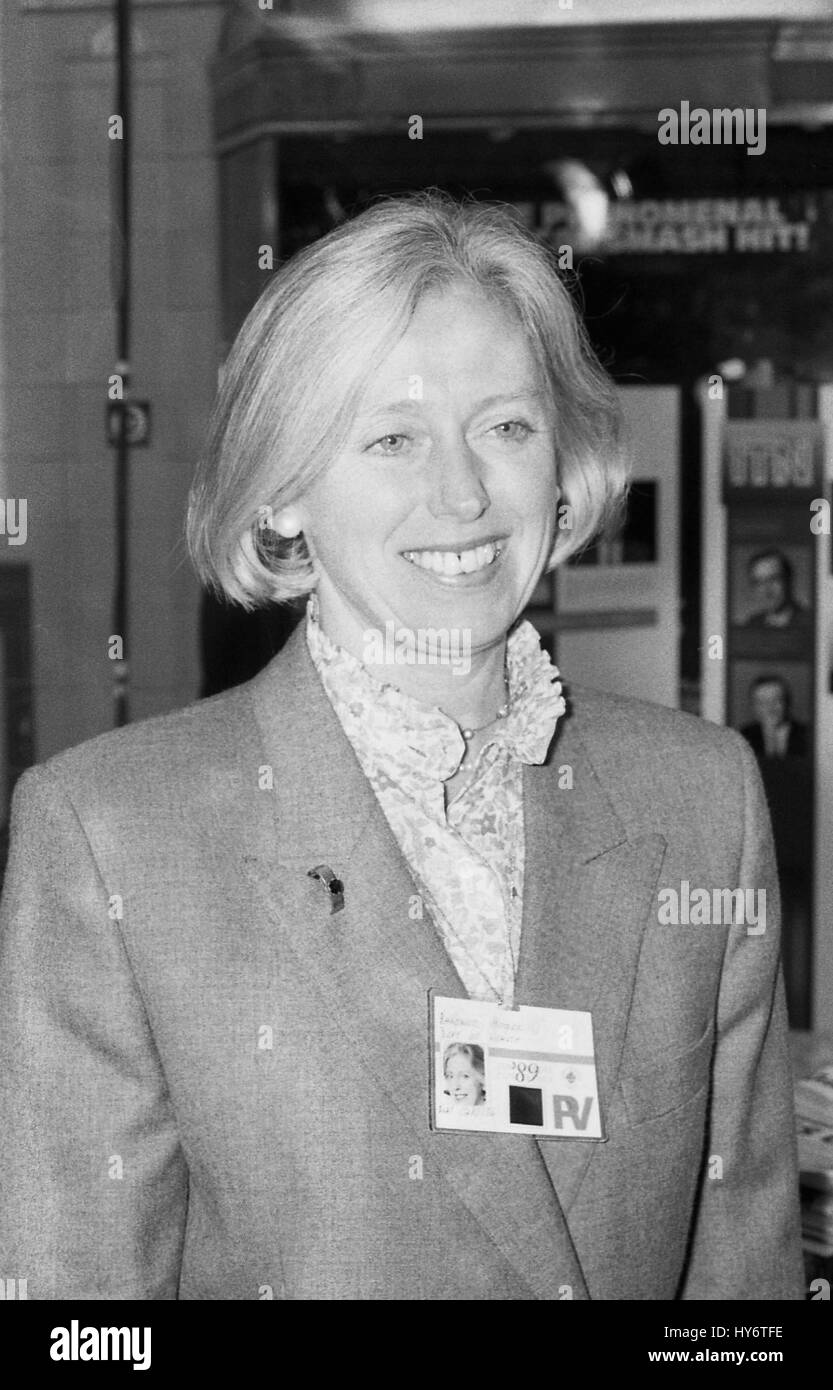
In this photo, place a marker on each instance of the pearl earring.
(288, 526)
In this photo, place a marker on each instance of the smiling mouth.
(451, 562)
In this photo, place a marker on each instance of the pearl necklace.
(468, 734)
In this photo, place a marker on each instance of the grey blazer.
(214, 1088)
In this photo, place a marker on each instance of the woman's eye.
(388, 444)
(512, 430)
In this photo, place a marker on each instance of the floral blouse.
(467, 858)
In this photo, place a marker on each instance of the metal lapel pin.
(334, 885)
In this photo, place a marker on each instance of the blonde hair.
(331, 314)
(473, 1053)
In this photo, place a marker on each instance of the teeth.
(447, 563)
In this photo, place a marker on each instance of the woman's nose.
(456, 487)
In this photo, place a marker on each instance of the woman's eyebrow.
(533, 393)
(406, 403)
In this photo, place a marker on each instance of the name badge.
(512, 1071)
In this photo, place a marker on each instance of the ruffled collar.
(398, 739)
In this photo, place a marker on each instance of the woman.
(464, 1071)
(221, 928)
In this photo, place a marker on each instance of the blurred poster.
(772, 471)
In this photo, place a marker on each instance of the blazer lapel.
(588, 890)
(373, 962)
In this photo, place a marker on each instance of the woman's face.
(451, 455)
(463, 1081)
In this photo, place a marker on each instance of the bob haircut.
(307, 350)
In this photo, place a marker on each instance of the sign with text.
(792, 223)
(772, 460)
